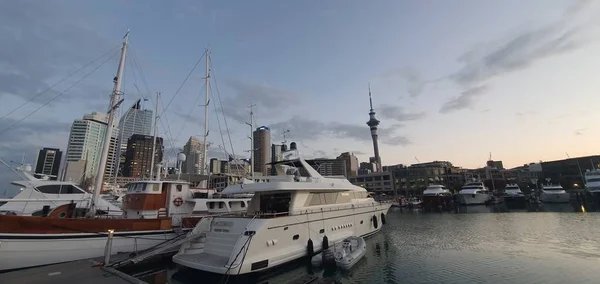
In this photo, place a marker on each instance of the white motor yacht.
(289, 217)
(592, 181)
(553, 193)
(39, 196)
(474, 193)
(513, 193)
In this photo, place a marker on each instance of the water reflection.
(522, 247)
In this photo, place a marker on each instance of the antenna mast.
(152, 165)
(204, 183)
(115, 101)
(251, 137)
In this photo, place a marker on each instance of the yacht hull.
(473, 199)
(256, 245)
(555, 197)
(27, 241)
(27, 250)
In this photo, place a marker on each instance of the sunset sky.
(451, 80)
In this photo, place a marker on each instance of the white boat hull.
(555, 197)
(276, 241)
(473, 199)
(27, 250)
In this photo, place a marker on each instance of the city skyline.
(449, 81)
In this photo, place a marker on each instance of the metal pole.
(108, 247)
(204, 183)
(154, 138)
(114, 105)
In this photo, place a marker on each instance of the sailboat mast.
(114, 105)
(154, 138)
(207, 102)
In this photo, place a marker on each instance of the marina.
(155, 143)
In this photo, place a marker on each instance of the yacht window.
(59, 189)
(156, 187)
(296, 237)
(593, 179)
(344, 197)
(178, 187)
(275, 203)
(330, 198)
(200, 195)
(315, 199)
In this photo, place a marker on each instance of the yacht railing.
(266, 215)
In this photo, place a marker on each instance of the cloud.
(399, 114)
(307, 129)
(269, 99)
(466, 100)
(43, 42)
(581, 131)
(521, 50)
(414, 82)
(525, 113)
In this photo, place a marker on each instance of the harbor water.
(555, 246)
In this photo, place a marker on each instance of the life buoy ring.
(178, 201)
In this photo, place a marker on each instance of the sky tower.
(373, 123)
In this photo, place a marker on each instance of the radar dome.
(181, 157)
(27, 168)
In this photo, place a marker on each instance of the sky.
(450, 80)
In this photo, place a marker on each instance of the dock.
(81, 271)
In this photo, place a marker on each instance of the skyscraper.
(85, 144)
(373, 123)
(262, 149)
(134, 121)
(48, 162)
(138, 157)
(351, 161)
(193, 151)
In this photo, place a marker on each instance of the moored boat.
(437, 198)
(474, 193)
(554, 193)
(288, 218)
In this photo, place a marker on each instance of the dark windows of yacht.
(59, 189)
(334, 198)
(276, 203)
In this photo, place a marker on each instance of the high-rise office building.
(194, 152)
(215, 166)
(85, 143)
(351, 162)
(138, 157)
(262, 149)
(135, 121)
(48, 162)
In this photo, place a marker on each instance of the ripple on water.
(475, 248)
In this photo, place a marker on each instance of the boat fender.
(310, 249)
(473, 195)
(325, 243)
(382, 219)
(375, 224)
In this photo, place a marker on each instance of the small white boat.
(351, 251)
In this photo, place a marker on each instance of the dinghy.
(351, 250)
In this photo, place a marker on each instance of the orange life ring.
(177, 201)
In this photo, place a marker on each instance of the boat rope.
(57, 96)
(183, 83)
(187, 117)
(114, 49)
(226, 275)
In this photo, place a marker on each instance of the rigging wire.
(222, 110)
(166, 129)
(183, 83)
(57, 96)
(58, 82)
(188, 116)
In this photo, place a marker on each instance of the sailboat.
(154, 212)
